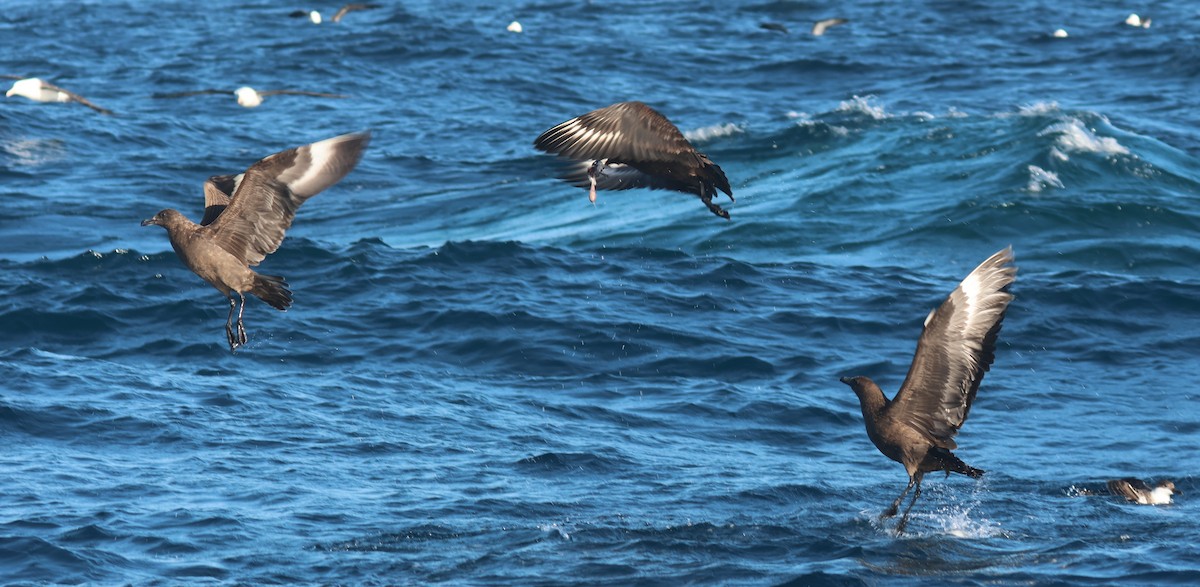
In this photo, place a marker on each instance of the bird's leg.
(904, 518)
(896, 504)
(592, 171)
(229, 325)
(241, 329)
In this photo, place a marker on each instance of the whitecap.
(863, 105)
(835, 130)
(1074, 136)
(1040, 179)
(33, 152)
(556, 531)
(712, 132)
(56, 356)
(1038, 108)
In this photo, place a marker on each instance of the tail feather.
(273, 290)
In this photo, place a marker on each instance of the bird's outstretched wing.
(300, 93)
(264, 203)
(76, 98)
(821, 26)
(956, 348)
(626, 131)
(218, 191)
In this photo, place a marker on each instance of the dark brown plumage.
(917, 427)
(245, 217)
(630, 145)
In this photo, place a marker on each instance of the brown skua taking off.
(917, 427)
(245, 217)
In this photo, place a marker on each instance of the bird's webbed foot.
(715, 208)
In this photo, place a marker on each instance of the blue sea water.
(487, 380)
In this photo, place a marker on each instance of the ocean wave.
(1040, 179)
(1072, 136)
(711, 132)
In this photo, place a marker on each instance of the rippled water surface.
(487, 380)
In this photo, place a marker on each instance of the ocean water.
(487, 380)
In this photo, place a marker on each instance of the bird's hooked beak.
(846, 380)
(149, 221)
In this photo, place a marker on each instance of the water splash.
(1074, 136)
(712, 132)
(1040, 179)
(863, 105)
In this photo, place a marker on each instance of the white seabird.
(1136, 21)
(42, 91)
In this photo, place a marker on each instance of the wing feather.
(76, 97)
(264, 203)
(624, 132)
(956, 348)
(218, 190)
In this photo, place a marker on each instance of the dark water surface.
(487, 380)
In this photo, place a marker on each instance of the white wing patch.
(312, 180)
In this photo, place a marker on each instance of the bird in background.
(1136, 21)
(819, 27)
(630, 145)
(248, 97)
(316, 18)
(1139, 492)
(957, 346)
(246, 215)
(40, 90)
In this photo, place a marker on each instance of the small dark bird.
(820, 26)
(249, 97)
(917, 427)
(1137, 491)
(39, 90)
(630, 145)
(774, 26)
(245, 217)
